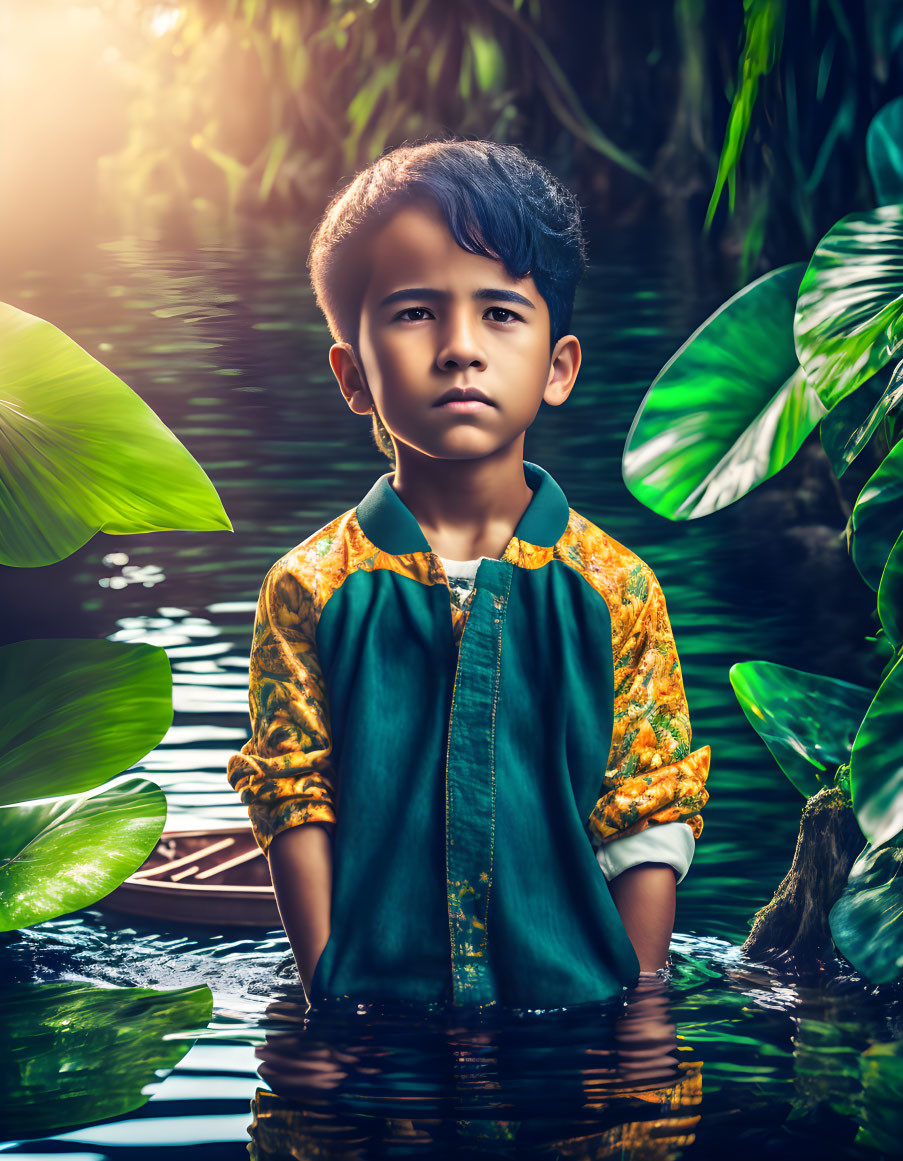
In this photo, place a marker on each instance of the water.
(225, 344)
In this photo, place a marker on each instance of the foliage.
(807, 721)
(717, 422)
(846, 323)
(263, 105)
(849, 315)
(77, 1053)
(83, 452)
(77, 712)
(60, 854)
(764, 32)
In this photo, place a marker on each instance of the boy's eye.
(417, 310)
(503, 310)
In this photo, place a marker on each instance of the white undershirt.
(667, 842)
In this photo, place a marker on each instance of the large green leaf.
(867, 920)
(728, 410)
(76, 712)
(850, 424)
(58, 856)
(76, 1053)
(890, 595)
(884, 151)
(849, 317)
(80, 452)
(877, 517)
(806, 720)
(876, 763)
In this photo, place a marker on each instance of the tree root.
(792, 930)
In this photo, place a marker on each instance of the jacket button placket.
(470, 786)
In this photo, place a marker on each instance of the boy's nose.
(459, 348)
(459, 344)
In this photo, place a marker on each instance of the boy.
(438, 674)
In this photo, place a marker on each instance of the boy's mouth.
(464, 399)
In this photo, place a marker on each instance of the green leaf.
(80, 452)
(850, 424)
(867, 920)
(884, 153)
(806, 720)
(78, 712)
(488, 61)
(64, 854)
(876, 763)
(76, 1053)
(728, 410)
(849, 317)
(890, 595)
(764, 34)
(881, 1105)
(877, 517)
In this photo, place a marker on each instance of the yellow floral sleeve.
(284, 772)
(651, 775)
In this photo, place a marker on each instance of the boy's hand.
(301, 869)
(646, 898)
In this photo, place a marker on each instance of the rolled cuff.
(668, 842)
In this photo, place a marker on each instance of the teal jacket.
(466, 758)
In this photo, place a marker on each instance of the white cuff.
(666, 842)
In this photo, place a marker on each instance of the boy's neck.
(465, 508)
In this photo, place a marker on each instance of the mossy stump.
(792, 930)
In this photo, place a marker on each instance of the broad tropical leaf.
(867, 920)
(890, 595)
(77, 712)
(877, 517)
(884, 152)
(850, 424)
(67, 853)
(849, 317)
(81, 453)
(76, 1053)
(728, 410)
(806, 720)
(876, 763)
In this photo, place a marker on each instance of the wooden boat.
(217, 878)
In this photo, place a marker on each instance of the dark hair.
(498, 203)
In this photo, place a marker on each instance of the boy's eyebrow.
(428, 292)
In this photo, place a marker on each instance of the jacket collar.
(388, 523)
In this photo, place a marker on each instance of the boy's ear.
(565, 364)
(350, 380)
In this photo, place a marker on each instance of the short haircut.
(497, 202)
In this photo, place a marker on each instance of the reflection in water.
(72, 1054)
(587, 1082)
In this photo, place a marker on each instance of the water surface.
(225, 343)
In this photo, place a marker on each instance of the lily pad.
(83, 453)
(890, 595)
(806, 720)
(728, 410)
(876, 763)
(77, 1053)
(867, 920)
(884, 153)
(77, 712)
(67, 853)
(849, 316)
(877, 517)
(848, 427)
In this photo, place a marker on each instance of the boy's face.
(435, 318)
